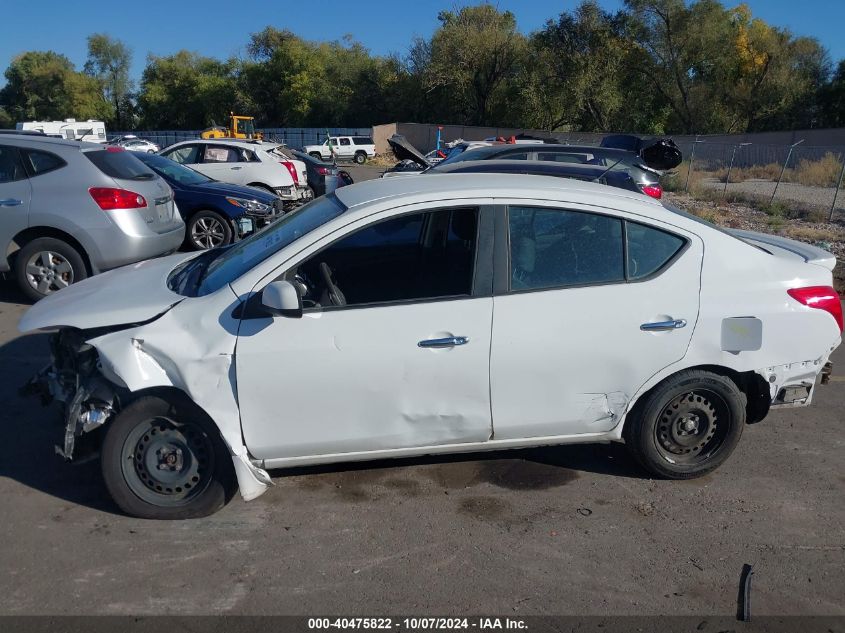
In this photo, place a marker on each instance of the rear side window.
(42, 162)
(649, 249)
(119, 164)
(362, 140)
(11, 168)
(551, 247)
(221, 155)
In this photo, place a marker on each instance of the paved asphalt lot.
(572, 530)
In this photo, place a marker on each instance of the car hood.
(403, 150)
(235, 191)
(131, 294)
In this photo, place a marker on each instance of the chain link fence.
(295, 138)
(778, 177)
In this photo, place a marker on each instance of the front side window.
(552, 247)
(412, 257)
(42, 162)
(185, 155)
(11, 168)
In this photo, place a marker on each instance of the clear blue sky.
(221, 28)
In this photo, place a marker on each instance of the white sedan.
(434, 315)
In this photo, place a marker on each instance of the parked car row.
(622, 168)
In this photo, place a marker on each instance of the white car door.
(392, 350)
(587, 309)
(345, 149)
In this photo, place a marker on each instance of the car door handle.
(449, 341)
(10, 202)
(662, 326)
(236, 167)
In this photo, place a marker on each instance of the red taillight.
(655, 191)
(820, 297)
(322, 171)
(109, 199)
(291, 170)
(115, 148)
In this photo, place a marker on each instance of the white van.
(91, 131)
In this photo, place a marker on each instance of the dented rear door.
(577, 330)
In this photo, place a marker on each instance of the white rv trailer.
(91, 131)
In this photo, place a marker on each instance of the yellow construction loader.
(239, 127)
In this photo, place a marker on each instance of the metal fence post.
(783, 169)
(836, 193)
(691, 158)
(730, 167)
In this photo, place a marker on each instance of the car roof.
(50, 140)
(433, 187)
(519, 166)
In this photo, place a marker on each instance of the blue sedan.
(215, 213)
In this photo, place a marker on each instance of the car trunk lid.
(787, 248)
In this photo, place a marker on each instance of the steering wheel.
(335, 294)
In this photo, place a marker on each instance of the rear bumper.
(121, 249)
(794, 384)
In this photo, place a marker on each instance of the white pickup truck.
(357, 148)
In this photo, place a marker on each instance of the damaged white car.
(434, 315)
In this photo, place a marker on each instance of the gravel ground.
(739, 215)
(816, 197)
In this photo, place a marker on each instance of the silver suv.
(76, 209)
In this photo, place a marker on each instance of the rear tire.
(46, 265)
(687, 426)
(360, 158)
(164, 459)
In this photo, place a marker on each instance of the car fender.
(192, 350)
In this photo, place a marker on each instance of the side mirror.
(281, 298)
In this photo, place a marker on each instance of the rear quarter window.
(121, 165)
(649, 249)
(42, 162)
(362, 140)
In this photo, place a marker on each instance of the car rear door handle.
(236, 167)
(449, 341)
(662, 326)
(10, 202)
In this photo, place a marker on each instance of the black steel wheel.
(688, 425)
(164, 459)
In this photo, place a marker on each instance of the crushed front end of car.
(74, 379)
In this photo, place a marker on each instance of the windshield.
(246, 127)
(171, 170)
(224, 265)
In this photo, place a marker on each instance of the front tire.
(46, 265)
(687, 426)
(208, 229)
(164, 459)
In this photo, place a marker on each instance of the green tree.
(44, 85)
(109, 62)
(578, 70)
(832, 99)
(186, 91)
(473, 59)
